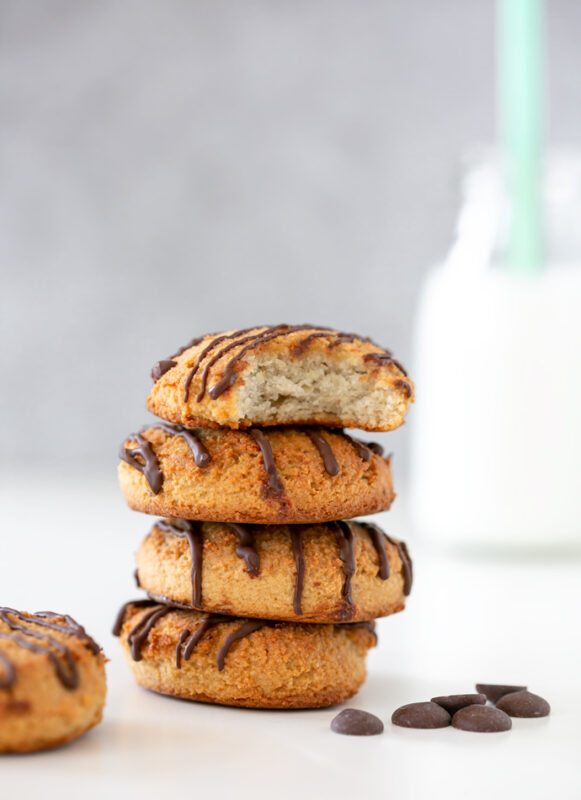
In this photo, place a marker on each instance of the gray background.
(173, 167)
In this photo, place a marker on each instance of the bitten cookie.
(278, 475)
(237, 662)
(52, 680)
(282, 375)
(339, 571)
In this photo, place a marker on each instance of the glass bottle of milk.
(496, 439)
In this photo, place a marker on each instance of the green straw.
(519, 93)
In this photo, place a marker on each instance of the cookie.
(282, 375)
(52, 680)
(339, 571)
(276, 475)
(238, 662)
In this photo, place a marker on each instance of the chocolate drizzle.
(120, 618)
(344, 537)
(378, 539)
(406, 562)
(8, 676)
(137, 636)
(199, 452)
(193, 532)
(160, 368)
(245, 629)
(165, 365)
(150, 468)
(325, 451)
(299, 557)
(368, 625)
(246, 547)
(273, 483)
(406, 387)
(250, 338)
(62, 660)
(381, 359)
(208, 349)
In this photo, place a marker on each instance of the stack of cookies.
(260, 590)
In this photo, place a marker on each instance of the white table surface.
(68, 545)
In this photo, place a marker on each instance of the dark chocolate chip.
(421, 715)
(524, 704)
(481, 719)
(353, 722)
(494, 691)
(454, 702)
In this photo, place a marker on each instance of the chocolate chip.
(494, 691)
(421, 715)
(524, 704)
(353, 722)
(481, 719)
(454, 702)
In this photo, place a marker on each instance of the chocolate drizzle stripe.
(208, 349)
(299, 557)
(205, 625)
(183, 636)
(273, 481)
(137, 636)
(405, 386)
(150, 468)
(120, 618)
(69, 676)
(8, 676)
(378, 538)
(344, 537)
(199, 452)
(325, 451)
(193, 533)
(64, 666)
(246, 547)
(406, 562)
(381, 359)
(245, 629)
(161, 367)
(369, 626)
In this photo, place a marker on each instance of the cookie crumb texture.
(236, 484)
(282, 375)
(52, 681)
(282, 665)
(260, 578)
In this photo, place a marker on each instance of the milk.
(496, 435)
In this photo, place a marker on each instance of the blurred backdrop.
(180, 167)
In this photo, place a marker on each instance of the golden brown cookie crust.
(270, 668)
(282, 376)
(270, 579)
(235, 486)
(37, 711)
